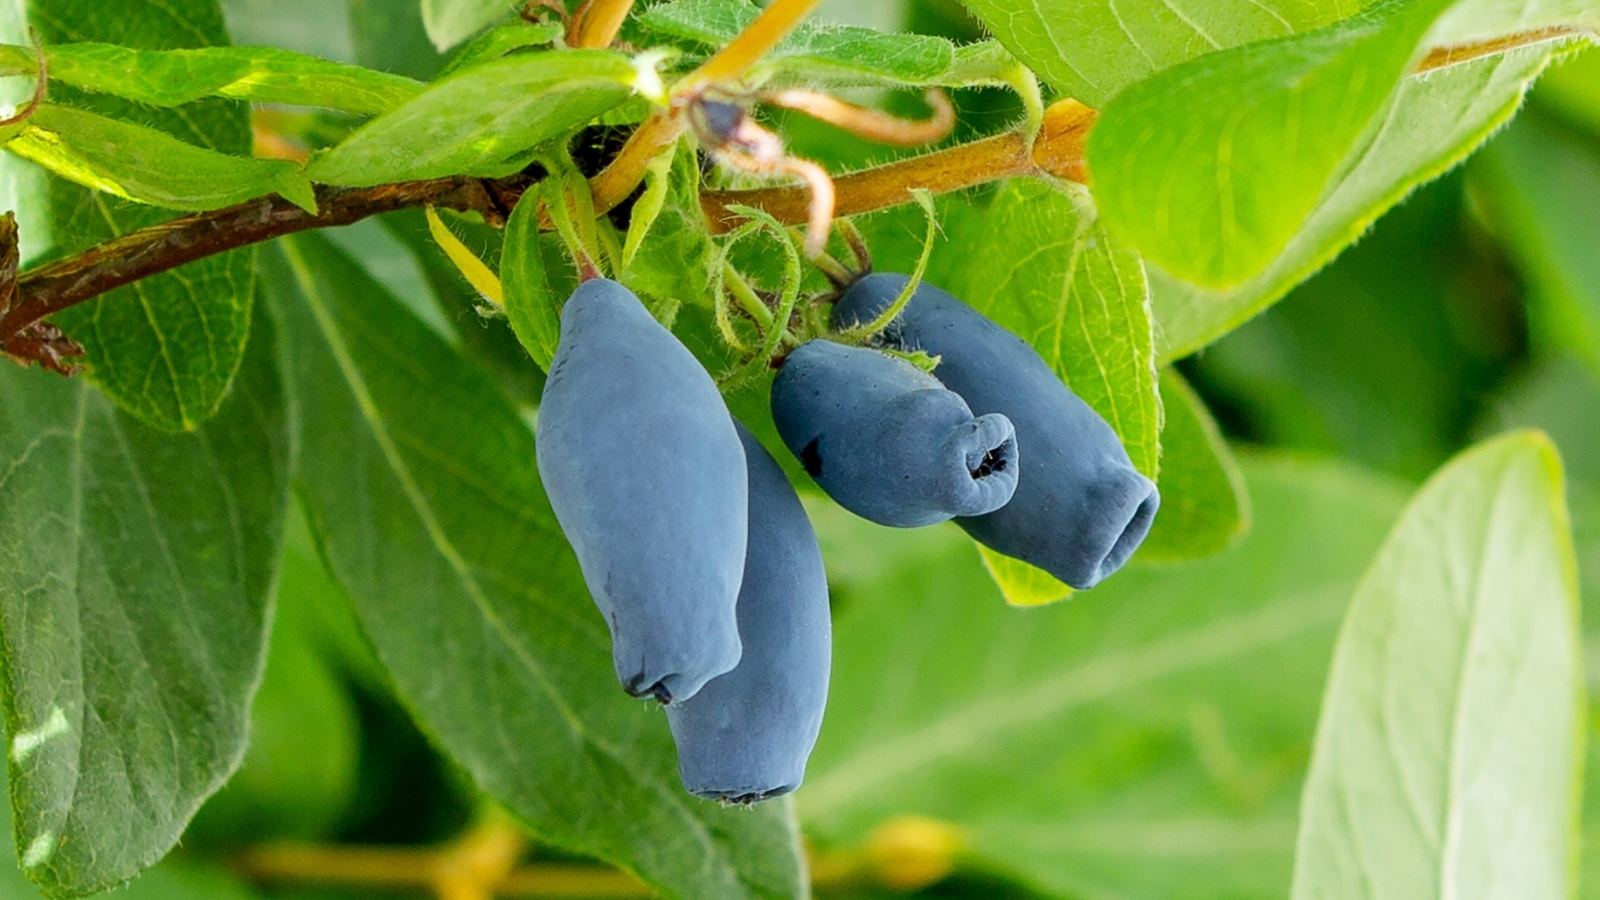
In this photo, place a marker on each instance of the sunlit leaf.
(1451, 738)
(150, 166)
(1429, 125)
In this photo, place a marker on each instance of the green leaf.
(176, 77)
(1038, 263)
(1429, 125)
(818, 49)
(1451, 738)
(449, 22)
(1210, 167)
(1205, 507)
(299, 773)
(164, 349)
(1543, 185)
(672, 259)
(1143, 740)
(534, 309)
(420, 483)
(479, 121)
(135, 570)
(150, 166)
(1093, 50)
(1019, 583)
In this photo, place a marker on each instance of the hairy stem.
(597, 22)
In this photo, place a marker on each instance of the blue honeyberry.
(646, 475)
(887, 441)
(746, 736)
(1081, 508)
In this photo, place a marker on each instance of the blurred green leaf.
(1543, 184)
(1572, 90)
(449, 22)
(1428, 126)
(391, 36)
(499, 41)
(534, 309)
(1093, 50)
(1037, 262)
(1205, 507)
(479, 120)
(134, 576)
(1143, 740)
(421, 486)
(150, 166)
(821, 49)
(1450, 743)
(166, 348)
(175, 77)
(321, 28)
(1212, 167)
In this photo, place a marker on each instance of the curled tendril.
(774, 322)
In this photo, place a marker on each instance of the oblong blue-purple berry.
(1081, 508)
(646, 475)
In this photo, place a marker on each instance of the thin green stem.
(746, 296)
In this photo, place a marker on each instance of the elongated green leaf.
(134, 576)
(449, 22)
(476, 122)
(1142, 741)
(1205, 508)
(420, 483)
(166, 348)
(1448, 752)
(1429, 125)
(1036, 262)
(821, 49)
(176, 77)
(1543, 183)
(150, 166)
(1093, 50)
(533, 308)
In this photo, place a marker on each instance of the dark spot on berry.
(811, 459)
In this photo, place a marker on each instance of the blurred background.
(1145, 739)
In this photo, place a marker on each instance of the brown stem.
(1057, 151)
(597, 22)
(139, 254)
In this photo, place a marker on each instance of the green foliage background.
(297, 488)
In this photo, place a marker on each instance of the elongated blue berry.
(1080, 508)
(646, 475)
(887, 441)
(747, 734)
